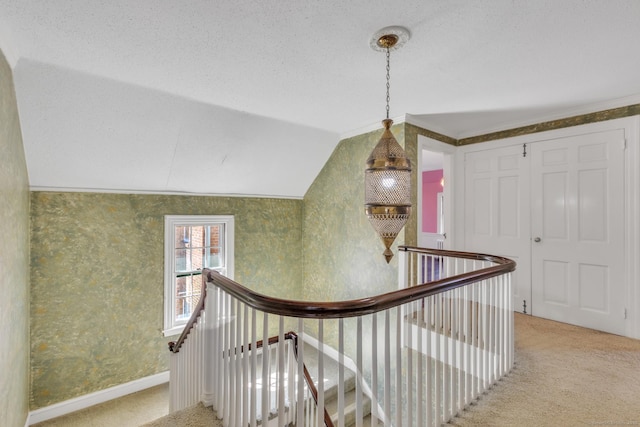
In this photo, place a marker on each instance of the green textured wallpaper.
(342, 253)
(97, 280)
(14, 259)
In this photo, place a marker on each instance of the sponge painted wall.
(342, 253)
(14, 259)
(97, 267)
(97, 280)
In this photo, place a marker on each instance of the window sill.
(176, 330)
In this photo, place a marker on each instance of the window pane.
(215, 232)
(182, 303)
(181, 260)
(197, 259)
(182, 237)
(214, 258)
(188, 290)
(197, 237)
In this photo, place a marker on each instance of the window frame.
(171, 325)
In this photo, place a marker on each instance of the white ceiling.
(251, 97)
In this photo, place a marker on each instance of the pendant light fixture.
(387, 178)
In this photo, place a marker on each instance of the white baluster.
(475, 321)
(214, 355)
(501, 323)
(408, 333)
(360, 368)
(233, 393)
(246, 380)
(300, 376)
(430, 382)
(453, 364)
(387, 366)
(254, 370)
(468, 341)
(280, 374)
(375, 416)
(446, 362)
(224, 330)
(291, 379)
(341, 372)
(219, 354)
(191, 352)
(320, 412)
(266, 386)
(485, 334)
(237, 358)
(497, 317)
(438, 377)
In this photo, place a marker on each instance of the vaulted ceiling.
(251, 97)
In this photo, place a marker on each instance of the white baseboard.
(82, 402)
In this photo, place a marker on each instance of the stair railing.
(422, 353)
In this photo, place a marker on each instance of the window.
(192, 243)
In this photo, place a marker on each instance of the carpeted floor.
(564, 376)
(132, 410)
(197, 416)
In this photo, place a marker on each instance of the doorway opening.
(434, 188)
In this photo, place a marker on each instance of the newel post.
(210, 315)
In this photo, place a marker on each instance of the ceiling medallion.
(401, 35)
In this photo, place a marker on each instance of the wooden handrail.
(174, 346)
(356, 307)
(368, 305)
(343, 309)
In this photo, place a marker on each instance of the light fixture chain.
(388, 79)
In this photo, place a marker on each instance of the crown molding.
(35, 188)
(535, 119)
(560, 114)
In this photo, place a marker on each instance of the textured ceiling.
(251, 97)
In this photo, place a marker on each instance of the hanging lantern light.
(387, 178)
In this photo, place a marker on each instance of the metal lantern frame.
(387, 176)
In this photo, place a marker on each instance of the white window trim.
(170, 223)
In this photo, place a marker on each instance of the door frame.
(631, 127)
(449, 152)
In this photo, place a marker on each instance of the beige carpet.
(197, 416)
(132, 410)
(564, 376)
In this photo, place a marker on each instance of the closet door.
(577, 227)
(497, 212)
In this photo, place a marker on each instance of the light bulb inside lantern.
(388, 182)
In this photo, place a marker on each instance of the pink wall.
(430, 189)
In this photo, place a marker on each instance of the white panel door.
(577, 225)
(497, 212)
